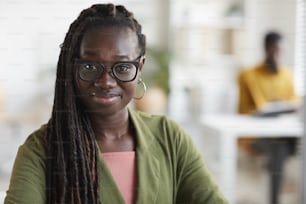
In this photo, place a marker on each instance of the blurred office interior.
(195, 50)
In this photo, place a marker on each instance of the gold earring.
(142, 88)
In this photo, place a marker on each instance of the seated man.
(267, 90)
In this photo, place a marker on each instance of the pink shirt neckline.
(122, 166)
(118, 153)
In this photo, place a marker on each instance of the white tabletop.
(244, 125)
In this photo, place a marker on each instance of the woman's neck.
(110, 127)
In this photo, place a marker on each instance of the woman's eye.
(123, 68)
(89, 67)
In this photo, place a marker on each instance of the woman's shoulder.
(36, 141)
(153, 119)
(161, 126)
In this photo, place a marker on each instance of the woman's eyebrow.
(90, 52)
(93, 53)
(122, 57)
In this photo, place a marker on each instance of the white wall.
(263, 16)
(30, 38)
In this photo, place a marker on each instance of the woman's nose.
(106, 80)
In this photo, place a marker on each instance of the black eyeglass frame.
(102, 68)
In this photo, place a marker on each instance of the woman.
(96, 150)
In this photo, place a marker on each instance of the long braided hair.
(72, 170)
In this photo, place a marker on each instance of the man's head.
(272, 46)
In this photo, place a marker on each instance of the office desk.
(230, 127)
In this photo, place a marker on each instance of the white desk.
(230, 127)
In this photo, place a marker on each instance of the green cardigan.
(170, 170)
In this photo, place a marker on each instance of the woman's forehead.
(112, 34)
(117, 41)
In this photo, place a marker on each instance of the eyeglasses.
(90, 71)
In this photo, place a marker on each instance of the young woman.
(96, 150)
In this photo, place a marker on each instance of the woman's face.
(108, 45)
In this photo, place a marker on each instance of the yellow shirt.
(257, 87)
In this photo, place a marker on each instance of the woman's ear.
(142, 61)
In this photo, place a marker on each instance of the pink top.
(123, 168)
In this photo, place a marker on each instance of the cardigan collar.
(147, 161)
(148, 167)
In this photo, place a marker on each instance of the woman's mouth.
(105, 98)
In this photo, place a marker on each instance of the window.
(300, 48)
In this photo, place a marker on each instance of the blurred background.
(196, 49)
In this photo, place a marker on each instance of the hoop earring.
(142, 88)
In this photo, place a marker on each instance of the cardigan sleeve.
(27, 184)
(194, 183)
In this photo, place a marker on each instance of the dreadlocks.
(72, 172)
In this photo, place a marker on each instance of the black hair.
(72, 154)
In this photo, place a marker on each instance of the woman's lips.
(105, 98)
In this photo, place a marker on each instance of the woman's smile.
(105, 98)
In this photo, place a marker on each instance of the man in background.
(268, 90)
